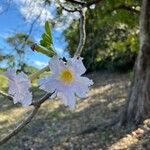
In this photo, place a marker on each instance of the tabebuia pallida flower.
(19, 85)
(66, 80)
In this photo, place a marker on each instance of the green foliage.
(46, 39)
(46, 43)
(112, 36)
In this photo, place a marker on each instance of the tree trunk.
(138, 103)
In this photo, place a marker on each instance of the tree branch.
(84, 4)
(76, 2)
(6, 95)
(69, 10)
(36, 74)
(82, 32)
(27, 120)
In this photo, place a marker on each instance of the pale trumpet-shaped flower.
(19, 85)
(66, 80)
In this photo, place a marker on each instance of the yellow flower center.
(66, 76)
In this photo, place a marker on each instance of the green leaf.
(48, 31)
(46, 38)
(47, 27)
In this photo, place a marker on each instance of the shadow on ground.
(58, 128)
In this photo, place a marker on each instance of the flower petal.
(77, 65)
(68, 98)
(19, 85)
(45, 84)
(25, 98)
(10, 73)
(56, 64)
(81, 86)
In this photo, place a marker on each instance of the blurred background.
(112, 33)
(109, 54)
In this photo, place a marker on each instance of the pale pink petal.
(84, 80)
(68, 98)
(77, 65)
(24, 98)
(56, 64)
(81, 86)
(10, 73)
(45, 84)
(19, 85)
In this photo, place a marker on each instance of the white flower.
(66, 80)
(19, 85)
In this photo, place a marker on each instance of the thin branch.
(67, 9)
(6, 95)
(42, 100)
(84, 4)
(77, 2)
(36, 74)
(27, 120)
(30, 30)
(19, 127)
(82, 32)
(32, 25)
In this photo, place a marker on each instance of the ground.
(55, 127)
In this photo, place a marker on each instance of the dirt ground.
(55, 127)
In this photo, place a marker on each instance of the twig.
(67, 9)
(42, 100)
(84, 4)
(27, 120)
(6, 95)
(82, 11)
(77, 2)
(82, 32)
(35, 75)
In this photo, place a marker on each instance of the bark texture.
(138, 104)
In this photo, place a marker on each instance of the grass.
(58, 128)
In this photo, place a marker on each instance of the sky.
(17, 16)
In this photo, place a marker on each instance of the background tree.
(20, 44)
(112, 35)
(138, 103)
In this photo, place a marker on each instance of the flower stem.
(82, 32)
(38, 73)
